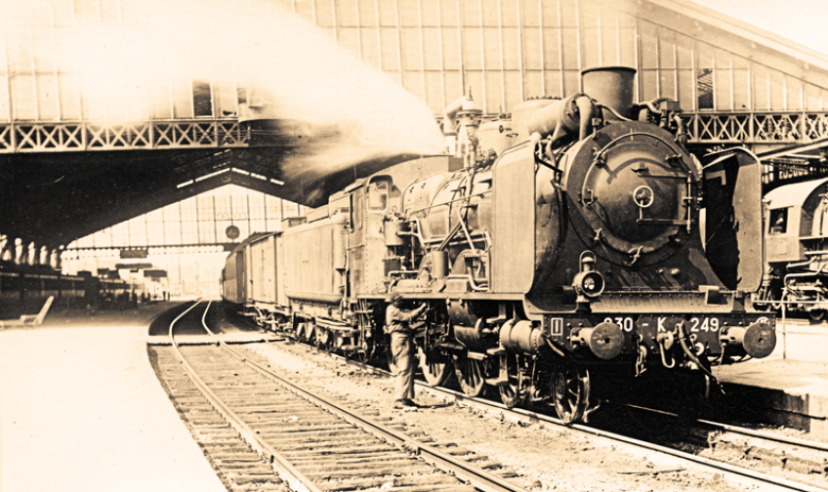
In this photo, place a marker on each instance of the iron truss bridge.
(777, 127)
(745, 128)
(23, 137)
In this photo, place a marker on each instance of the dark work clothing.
(402, 349)
(397, 320)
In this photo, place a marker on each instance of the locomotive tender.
(561, 247)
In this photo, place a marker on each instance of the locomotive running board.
(733, 238)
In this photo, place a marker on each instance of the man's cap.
(392, 297)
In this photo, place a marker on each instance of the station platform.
(82, 410)
(789, 387)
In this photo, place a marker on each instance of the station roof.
(55, 198)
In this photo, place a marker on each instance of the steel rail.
(480, 479)
(287, 472)
(820, 446)
(537, 417)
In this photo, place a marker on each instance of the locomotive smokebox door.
(733, 224)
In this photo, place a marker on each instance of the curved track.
(758, 478)
(316, 444)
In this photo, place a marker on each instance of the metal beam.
(84, 136)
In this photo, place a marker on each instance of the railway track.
(797, 464)
(252, 422)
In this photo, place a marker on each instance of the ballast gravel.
(546, 458)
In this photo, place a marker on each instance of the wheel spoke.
(510, 393)
(571, 393)
(435, 368)
(469, 374)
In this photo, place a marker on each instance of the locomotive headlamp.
(588, 282)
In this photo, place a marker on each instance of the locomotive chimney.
(612, 87)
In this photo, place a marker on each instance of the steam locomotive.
(575, 243)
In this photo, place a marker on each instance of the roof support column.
(44, 256)
(54, 260)
(6, 254)
(18, 251)
(31, 257)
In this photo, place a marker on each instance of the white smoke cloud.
(121, 52)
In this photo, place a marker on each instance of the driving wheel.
(471, 375)
(570, 391)
(510, 393)
(435, 366)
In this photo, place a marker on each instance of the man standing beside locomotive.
(397, 324)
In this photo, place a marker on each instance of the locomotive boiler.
(574, 243)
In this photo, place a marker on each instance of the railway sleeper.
(396, 481)
(310, 468)
(208, 423)
(230, 383)
(255, 479)
(310, 446)
(344, 450)
(805, 466)
(213, 435)
(275, 428)
(269, 401)
(269, 410)
(273, 402)
(235, 457)
(268, 487)
(291, 442)
(203, 412)
(259, 468)
(218, 448)
(505, 472)
(423, 488)
(458, 451)
(300, 423)
(331, 461)
(187, 400)
(263, 391)
(185, 392)
(484, 463)
(378, 471)
(311, 434)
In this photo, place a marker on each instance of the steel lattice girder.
(748, 128)
(20, 137)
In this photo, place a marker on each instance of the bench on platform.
(29, 320)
